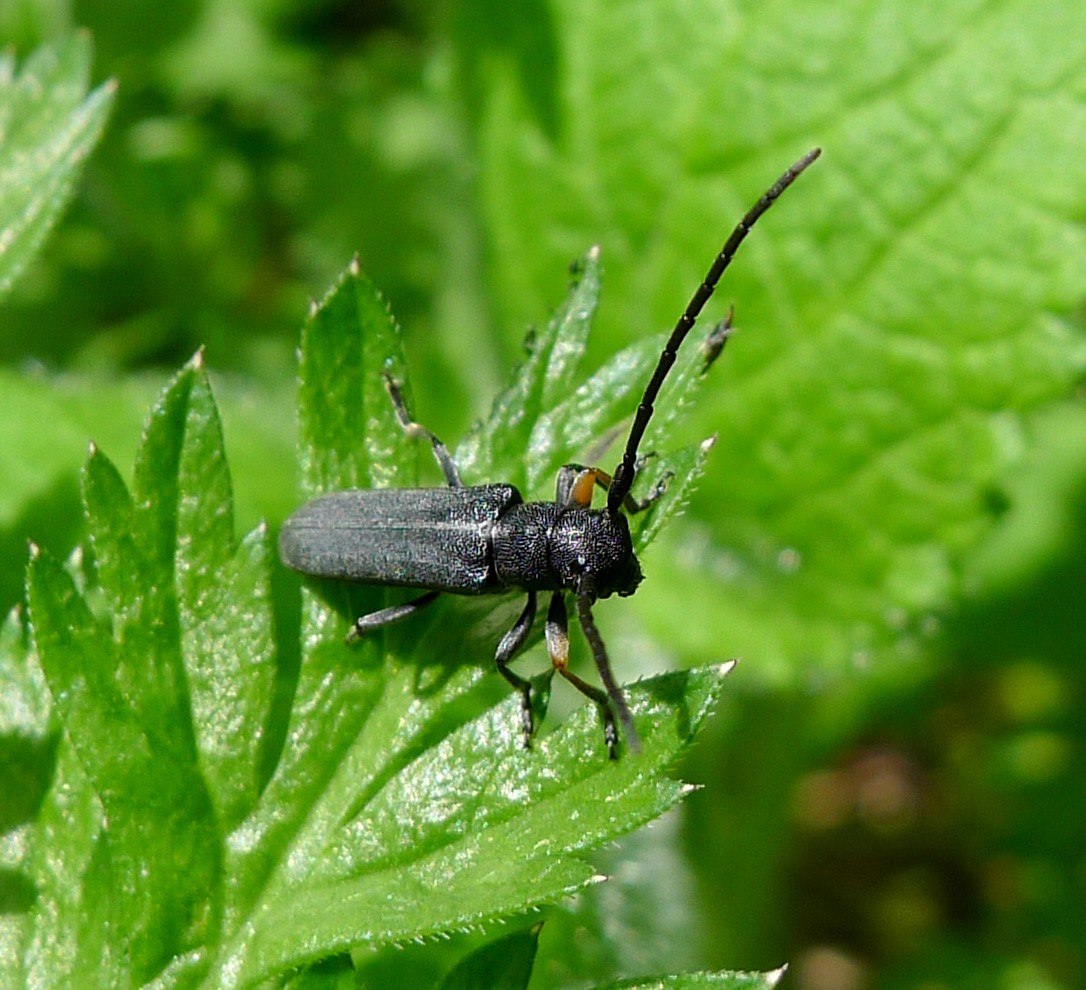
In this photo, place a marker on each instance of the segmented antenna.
(624, 475)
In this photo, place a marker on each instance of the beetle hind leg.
(386, 616)
(414, 430)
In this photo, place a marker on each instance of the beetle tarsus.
(715, 340)
(634, 505)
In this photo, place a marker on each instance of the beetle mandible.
(486, 539)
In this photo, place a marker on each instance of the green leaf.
(496, 448)
(348, 433)
(504, 964)
(401, 719)
(48, 126)
(164, 703)
(67, 866)
(902, 311)
(24, 699)
(474, 829)
(152, 873)
(401, 805)
(348, 437)
(229, 700)
(704, 981)
(40, 495)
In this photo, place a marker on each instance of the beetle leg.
(415, 430)
(508, 648)
(633, 505)
(584, 598)
(574, 487)
(375, 620)
(576, 483)
(557, 633)
(715, 340)
(629, 503)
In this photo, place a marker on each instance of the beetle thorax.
(542, 546)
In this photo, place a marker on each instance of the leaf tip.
(355, 267)
(33, 549)
(727, 666)
(709, 443)
(774, 976)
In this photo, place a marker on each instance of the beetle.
(485, 539)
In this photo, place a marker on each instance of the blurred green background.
(892, 530)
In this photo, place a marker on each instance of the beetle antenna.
(583, 597)
(624, 475)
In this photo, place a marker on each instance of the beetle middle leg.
(557, 635)
(413, 430)
(508, 648)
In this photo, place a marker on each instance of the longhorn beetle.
(486, 539)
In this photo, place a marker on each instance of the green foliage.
(396, 804)
(704, 981)
(872, 398)
(889, 530)
(504, 964)
(48, 124)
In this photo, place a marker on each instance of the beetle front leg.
(557, 634)
(413, 430)
(508, 648)
(576, 483)
(634, 505)
(394, 613)
(574, 486)
(584, 598)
